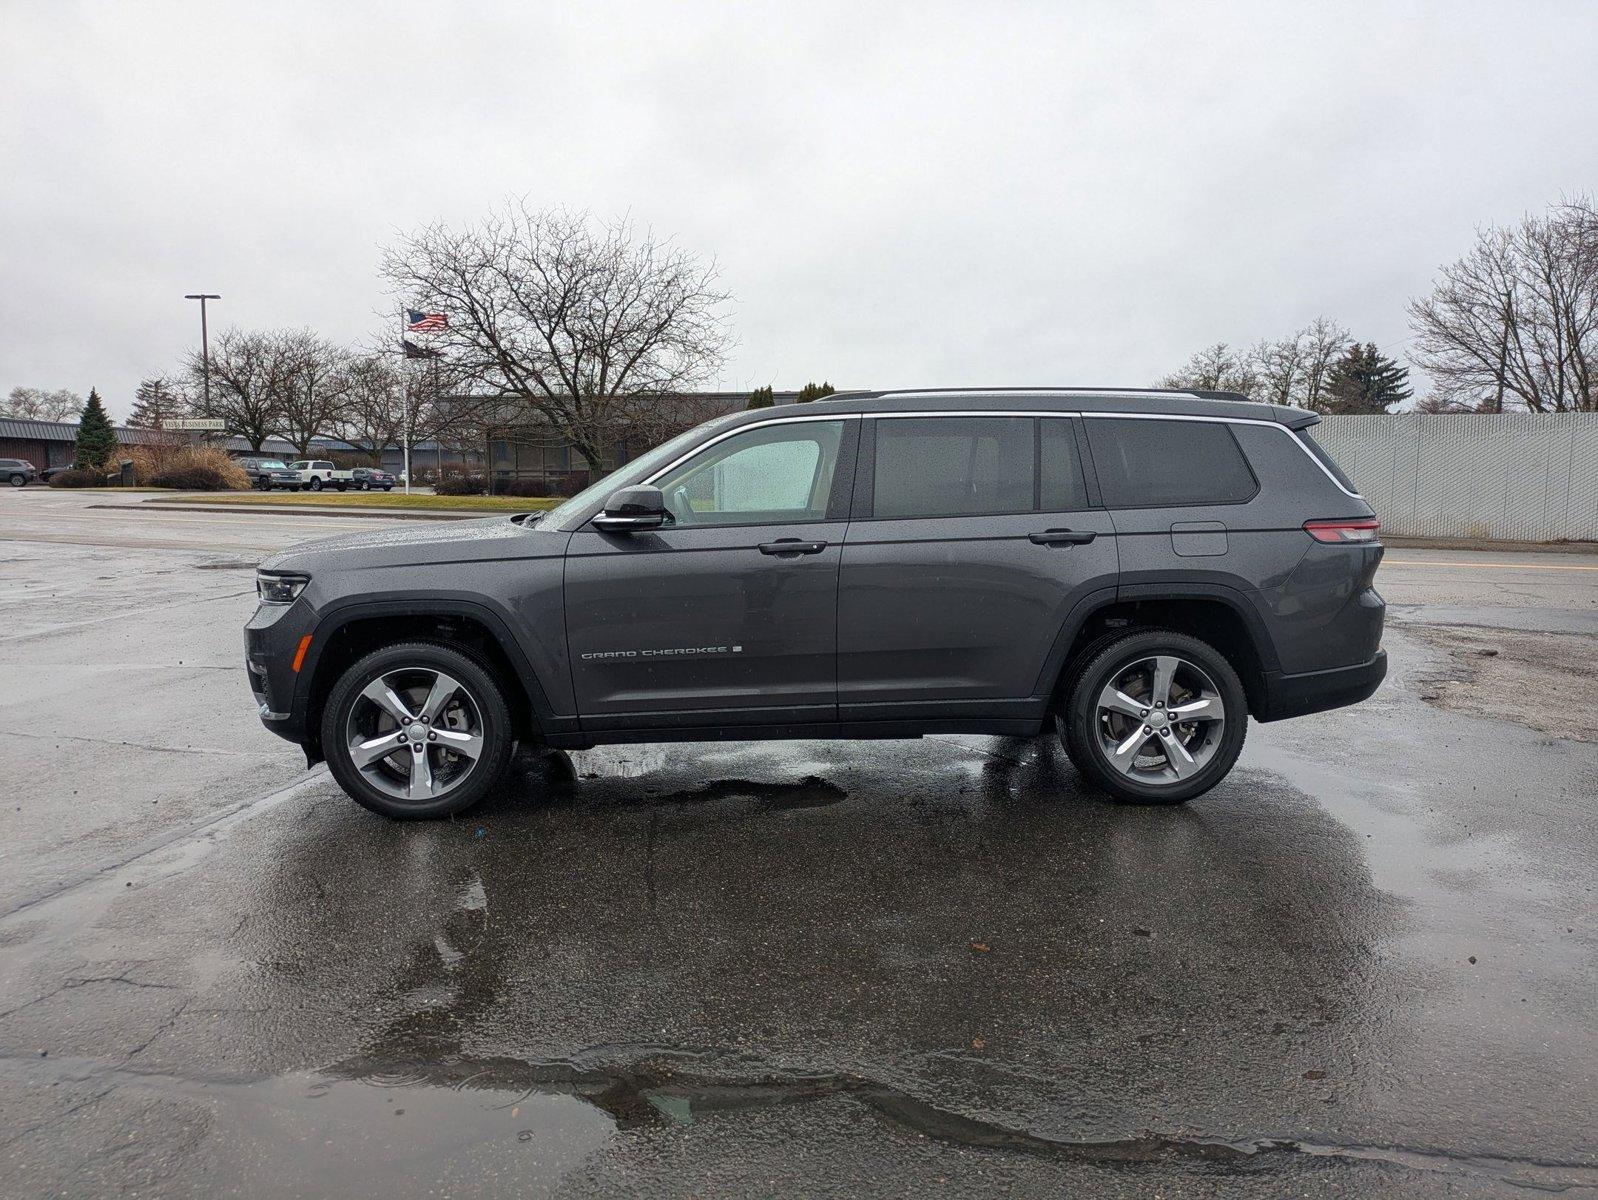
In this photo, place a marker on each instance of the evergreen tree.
(157, 401)
(815, 391)
(97, 441)
(761, 397)
(1365, 381)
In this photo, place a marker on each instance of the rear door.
(727, 615)
(973, 538)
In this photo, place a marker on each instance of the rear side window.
(1168, 464)
(1325, 459)
(953, 466)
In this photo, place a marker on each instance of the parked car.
(266, 474)
(18, 472)
(1140, 572)
(316, 474)
(368, 479)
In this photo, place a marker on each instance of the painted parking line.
(1412, 562)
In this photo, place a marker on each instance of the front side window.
(1168, 464)
(773, 475)
(952, 466)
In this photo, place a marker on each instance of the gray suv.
(1141, 570)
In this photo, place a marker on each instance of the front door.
(727, 615)
(972, 541)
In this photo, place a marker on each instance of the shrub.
(76, 479)
(193, 479)
(193, 468)
(525, 487)
(459, 485)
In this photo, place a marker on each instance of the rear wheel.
(1156, 717)
(18, 480)
(417, 730)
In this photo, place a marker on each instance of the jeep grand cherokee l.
(1140, 571)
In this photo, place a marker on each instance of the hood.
(417, 544)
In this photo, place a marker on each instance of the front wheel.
(417, 730)
(1156, 717)
(315, 485)
(18, 480)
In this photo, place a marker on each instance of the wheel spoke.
(364, 754)
(1206, 708)
(1164, 673)
(468, 744)
(443, 689)
(380, 694)
(1182, 763)
(1126, 753)
(1115, 700)
(421, 776)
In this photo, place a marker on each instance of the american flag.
(420, 322)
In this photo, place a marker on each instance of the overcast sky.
(896, 195)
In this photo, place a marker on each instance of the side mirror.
(632, 509)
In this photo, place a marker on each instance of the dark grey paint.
(886, 627)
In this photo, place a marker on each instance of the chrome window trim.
(1032, 412)
(721, 437)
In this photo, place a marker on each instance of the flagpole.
(405, 377)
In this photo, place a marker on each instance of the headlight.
(279, 589)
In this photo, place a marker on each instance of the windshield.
(270, 464)
(639, 469)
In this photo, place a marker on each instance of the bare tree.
(373, 413)
(1514, 323)
(1288, 371)
(36, 404)
(587, 324)
(248, 380)
(1217, 368)
(157, 401)
(313, 386)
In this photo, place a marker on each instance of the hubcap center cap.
(1157, 719)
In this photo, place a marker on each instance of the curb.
(392, 514)
(1398, 542)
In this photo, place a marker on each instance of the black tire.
(315, 485)
(1078, 722)
(483, 689)
(18, 480)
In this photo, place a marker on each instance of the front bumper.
(1316, 691)
(271, 639)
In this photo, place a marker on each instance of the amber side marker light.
(1343, 532)
(299, 654)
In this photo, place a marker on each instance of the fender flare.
(341, 613)
(1240, 603)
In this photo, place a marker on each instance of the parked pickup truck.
(316, 474)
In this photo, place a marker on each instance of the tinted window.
(953, 466)
(1160, 464)
(1060, 483)
(772, 475)
(1325, 459)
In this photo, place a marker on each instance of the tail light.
(1356, 531)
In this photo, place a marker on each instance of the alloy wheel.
(1159, 719)
(415, 733)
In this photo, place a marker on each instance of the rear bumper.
(1316, 691)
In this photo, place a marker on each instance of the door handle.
(1062, 537)
(784, 546)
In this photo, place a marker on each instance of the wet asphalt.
(1364, 965)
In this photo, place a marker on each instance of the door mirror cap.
(631, 509)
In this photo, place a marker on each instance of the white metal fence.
(1516, 477)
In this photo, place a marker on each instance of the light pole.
(205, 344)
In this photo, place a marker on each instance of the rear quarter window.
(1326, 460)
(1168, 464)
